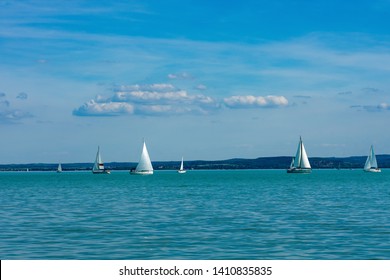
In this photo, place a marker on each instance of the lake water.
(243, 214)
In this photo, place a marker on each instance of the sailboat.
(144, 166)
(371, 164)
(181, 170)
(300, 164)
(59, 168)
(98, 167)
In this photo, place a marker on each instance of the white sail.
(371, 164)
(59, 168)
(298, 156)
(304, 159)
(181, 170)
(300, 164)
(98, 166)
(367, 165)
(144, 165)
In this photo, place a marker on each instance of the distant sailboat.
(59, 168)
(371, 164)
(300, 164)
(98, 167)
(144, 166)
(181, 170)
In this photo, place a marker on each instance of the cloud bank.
(154, 99)
(166, 99)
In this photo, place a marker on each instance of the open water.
(243, 214)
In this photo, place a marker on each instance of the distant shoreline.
(280, 162)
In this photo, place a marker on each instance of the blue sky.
(199, 79)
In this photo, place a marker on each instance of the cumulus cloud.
(94, 108)
(250, 101)
(166, 99)
(154, 99)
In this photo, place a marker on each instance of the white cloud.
(93, 108)
(153, 99)
(165, 99)
(150, 87)
(250, 101)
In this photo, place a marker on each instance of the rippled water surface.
(245, 214)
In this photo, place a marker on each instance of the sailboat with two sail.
(371, 164)
(181, 170)
(300, 164)
(98, 166)
(144, 166)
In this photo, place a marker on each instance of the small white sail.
(59, 168)
(144, 166)
(98, 166)
(181, 170)
(300, 164)
(371, 164)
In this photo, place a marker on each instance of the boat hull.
(105, 171)
(142, 172)
(299, 170)
(373, 170)
(181, 171)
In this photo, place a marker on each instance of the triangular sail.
(59, 168)
(374, 163)
(301, 160)
(182, 164)
(371, 160)
(144, 163)
(367, 165)
(298, 156)
(304, 159)
(98, 165)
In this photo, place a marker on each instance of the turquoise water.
(243, 214)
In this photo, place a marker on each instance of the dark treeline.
(282, 162)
